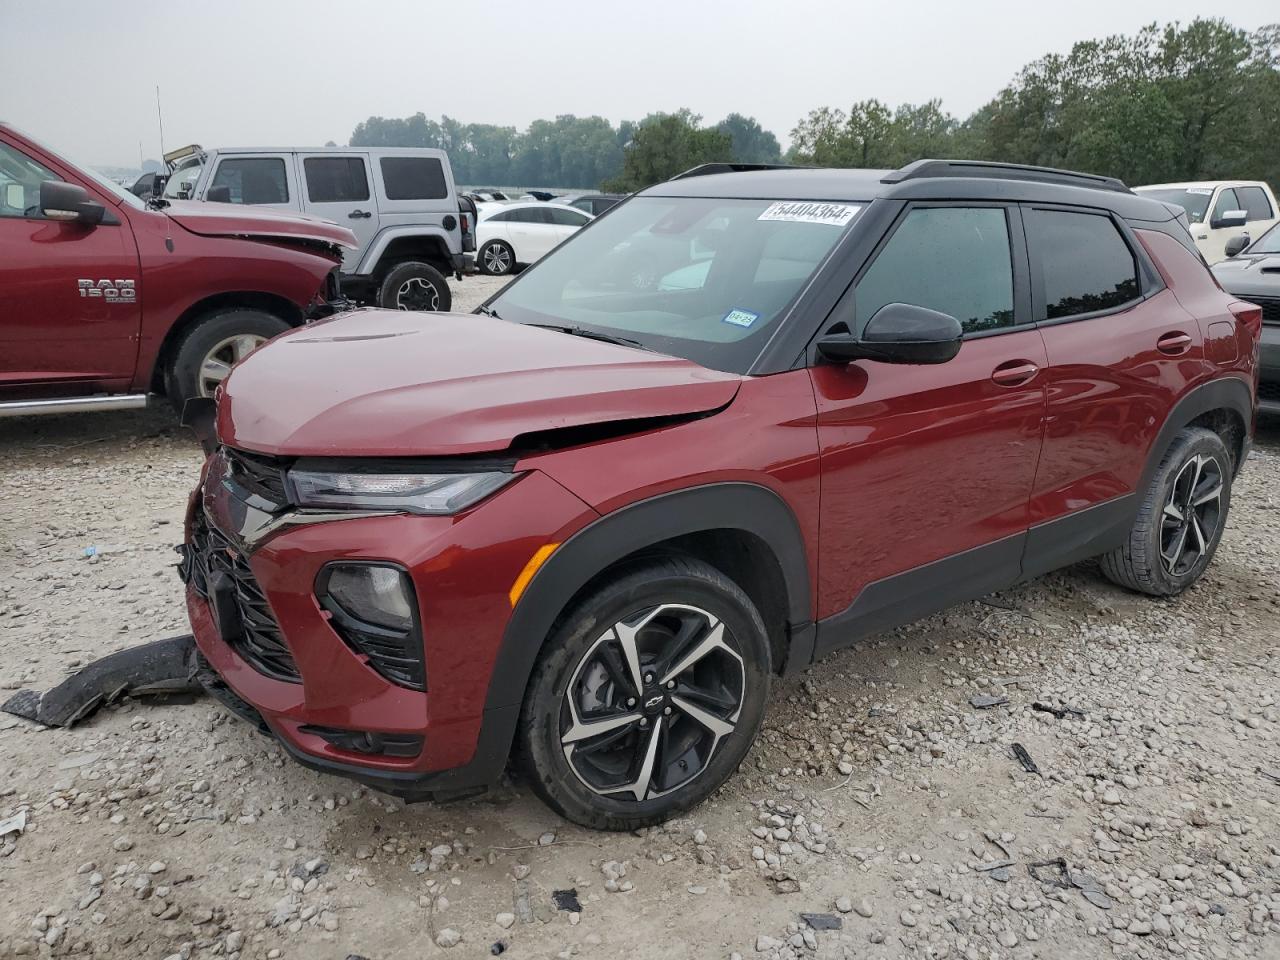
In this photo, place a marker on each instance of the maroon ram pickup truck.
(108, 299)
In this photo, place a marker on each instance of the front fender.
(717, 506)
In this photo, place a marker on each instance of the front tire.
(497, 259)
(1181, 519)
(415, 286)
(646, 697)
(209, 349)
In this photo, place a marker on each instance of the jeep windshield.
(707, 279)
(183, 180)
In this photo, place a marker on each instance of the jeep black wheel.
(207, 352)
(1181, 519)
(497, 259)
(414, 286)
(647, 697)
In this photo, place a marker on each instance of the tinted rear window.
(1085, 265)
(1255, 203)
(336, 179)
(413, 178)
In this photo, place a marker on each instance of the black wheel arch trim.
(1230, 392)
(747, 507)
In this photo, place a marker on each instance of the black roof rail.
(703, 169)
(989, 170)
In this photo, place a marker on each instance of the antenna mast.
(160, 117)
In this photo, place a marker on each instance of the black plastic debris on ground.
(1060, 712)
(822, 921)
(498, 948)
(1024, 758)
(1091, 890)
(985, 701)
(1053, 872)
(159, 668)
(567, 900)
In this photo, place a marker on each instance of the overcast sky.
(81, 76)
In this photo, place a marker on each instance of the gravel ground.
(877, 793)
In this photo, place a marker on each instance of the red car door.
(71, 299)
(926, 470)
(1121, 351)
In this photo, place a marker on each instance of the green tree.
(665, 144)
(749, 142)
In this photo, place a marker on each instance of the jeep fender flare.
(746, 507)
(373, 256)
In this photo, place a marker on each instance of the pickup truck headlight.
(428, 493)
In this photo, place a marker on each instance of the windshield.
(706, 279)
(184, 179)
(89, 173)
(1194, 200)
(1269, 242)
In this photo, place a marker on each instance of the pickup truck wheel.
(415, 286)
(217, 342)
(497, 259)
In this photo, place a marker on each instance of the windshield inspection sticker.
(794, 211)
(740, 318)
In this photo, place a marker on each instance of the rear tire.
(1181, 519)
(496, 258)
(206, 353)
(413, 285)
(674, 659)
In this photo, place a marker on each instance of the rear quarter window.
(413, 178)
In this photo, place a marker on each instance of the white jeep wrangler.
(402, 205)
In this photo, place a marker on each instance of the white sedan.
(521, 233)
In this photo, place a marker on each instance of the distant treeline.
(1200, 101)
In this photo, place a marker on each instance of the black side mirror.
(218, 194)
(1230, 218)
(68, 202)
(1236, 245)
(898, 333)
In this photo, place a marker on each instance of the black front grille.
(1270, 308)
(259, 641)
(1269, 390)
(259, 474)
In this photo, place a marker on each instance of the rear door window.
(1255, 203)
(413, 178)
(1085, 266)
(336, 179)
(566, 217)
(253, 179)
(952, 259)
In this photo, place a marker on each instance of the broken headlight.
(429, 493)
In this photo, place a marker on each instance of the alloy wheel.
(417, 294)
(497, 259)
(651, 701)
(224, 355)
(1191, 515)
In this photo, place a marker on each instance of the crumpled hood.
(392, 383)
(1250, 276)
(240, 220)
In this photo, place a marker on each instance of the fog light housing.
(374, 609)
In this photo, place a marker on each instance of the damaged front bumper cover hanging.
(163, 668)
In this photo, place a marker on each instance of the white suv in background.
(522, 233)
(402, 205)
(1219, 210)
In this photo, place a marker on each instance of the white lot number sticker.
(796, 211)
(1200, 191)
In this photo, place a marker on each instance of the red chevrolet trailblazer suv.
(107, 299)
(740, 421)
